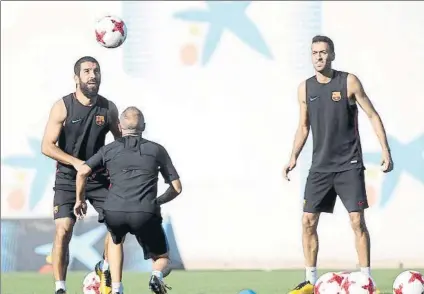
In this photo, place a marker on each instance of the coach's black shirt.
(134, 164)
(83, 134)
(334, 124)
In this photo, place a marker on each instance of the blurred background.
(226, 110)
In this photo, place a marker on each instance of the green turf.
(185, 282)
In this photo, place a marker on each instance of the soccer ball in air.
(329, 283)
(111, 31)
(91, 284)
(409, 282)
(358, 283)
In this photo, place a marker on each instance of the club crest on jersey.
(100, 120)
(55, 209)
(336, 96)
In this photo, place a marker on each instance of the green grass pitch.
(186, 282)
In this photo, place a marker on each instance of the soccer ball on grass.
(329, 283)
(91, 284)
(409, 282)
(358, 283)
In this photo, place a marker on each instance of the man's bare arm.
(114, 117)
(80, 207)
(303, 127)
(81, 181)
(51, 135)
(356, 91)
(176, 184)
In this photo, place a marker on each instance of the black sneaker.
(157, 286)
(60, 291)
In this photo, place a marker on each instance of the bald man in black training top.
(131, 205)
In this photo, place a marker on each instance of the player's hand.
(386, 162)
(80, 209)
(289, 167)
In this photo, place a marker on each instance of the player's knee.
(63, 233)
(357, 221)
(63, 230)
(309, 223)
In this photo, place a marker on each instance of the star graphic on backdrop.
(80, 247)
(224, 15)
(37, 161)
(407, 158)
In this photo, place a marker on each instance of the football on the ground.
(329, 283)
(409, 282)
(91, 284)
(358, 283)
(111, 31)
(344, 273)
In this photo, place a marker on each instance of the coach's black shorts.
(64, 202)
(147, 228)
(322, 189)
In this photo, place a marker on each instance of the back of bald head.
(132, 120)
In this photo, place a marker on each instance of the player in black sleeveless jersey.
(75, 131)
(328, 105)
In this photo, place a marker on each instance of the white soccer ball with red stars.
(111, 31)
(91, 284)
(409, 282)
(329, 283)
(358, 283)
(344, 274)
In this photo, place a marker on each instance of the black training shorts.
(64, 202)
(322, 189)
(147, 228)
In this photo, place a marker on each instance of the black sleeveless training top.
(334, 123)
(82, 135)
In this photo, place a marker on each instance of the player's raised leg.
(152, 239)
(156, 283)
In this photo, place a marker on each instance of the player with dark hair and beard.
(76, 129)
(329, 103)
